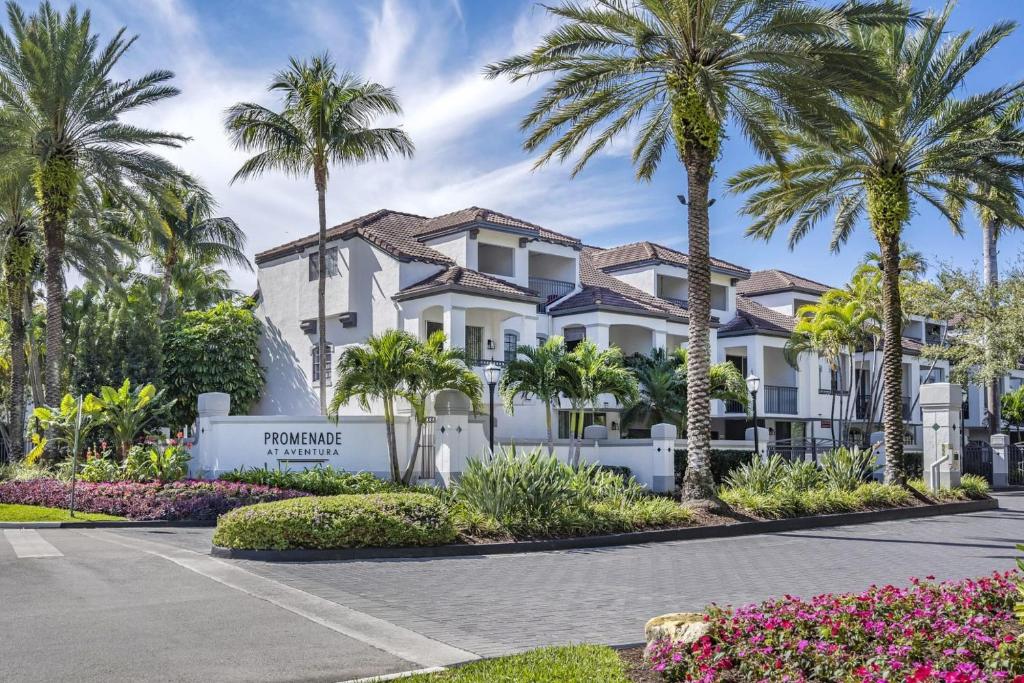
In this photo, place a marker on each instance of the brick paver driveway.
(504, 603)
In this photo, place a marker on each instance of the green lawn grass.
(564, 664)
(35, 513)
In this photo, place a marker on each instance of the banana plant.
(127, 412)
(59, 423)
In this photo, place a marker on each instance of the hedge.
(347, 521)
(722, 462)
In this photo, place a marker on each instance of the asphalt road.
(152, 605)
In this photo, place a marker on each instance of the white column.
(598, 333)
(940, 408)
(1000, 460)
(455, 326)
(659, 340)
(413, 327)
(529, 335)
(914, 381)
(663, 464)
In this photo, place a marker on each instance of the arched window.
(511, 344)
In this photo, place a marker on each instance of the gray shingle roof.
(474, 215)
(753, 318)
(636, 253)
(457, 278)
(770, 281)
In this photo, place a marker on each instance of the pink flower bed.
(190, 499)
(952, 632)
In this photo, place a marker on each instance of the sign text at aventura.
(306, 443)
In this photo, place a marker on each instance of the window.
(511, 346)
(588, 419)
(474, 343)
(832, 381)
(496, 260)
(719, 297)
(573, 337)
(316, 363)
(433, 327)
(331, 258)
(542, 339)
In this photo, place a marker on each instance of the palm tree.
(535, 372)
(326, 120)
(378, 369)
(918, 143)
(676, 72)
(185, 229)
(1013, 408)
(58, 94)
(437, 369)
(586, 375)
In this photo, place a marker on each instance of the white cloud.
(450, 110)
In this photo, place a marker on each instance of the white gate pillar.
(663, 458)
(1000, 460)
(451, 434)
(204, 450)
(940, 412)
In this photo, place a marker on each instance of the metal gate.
(427, 449)
(1015, 465)
(978, 459)
(804, 448)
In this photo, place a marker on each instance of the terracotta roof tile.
(474, 214)
(769, 281)
(627, 255)
(753, 318)
(470, 281)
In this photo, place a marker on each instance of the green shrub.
(943, 495)
(145, 463)
(975, 487)
(801, 475)
(876, 495)
(758, 476)
(562, 664)
(348, 521)
(97, 469)
(722, 463)
(845, 469)
(773, 505)
(320, 481)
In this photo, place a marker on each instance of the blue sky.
(465, 128)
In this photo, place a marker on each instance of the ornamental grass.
(950, 632)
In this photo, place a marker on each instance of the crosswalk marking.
(29, 543)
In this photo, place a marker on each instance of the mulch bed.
(637, 669)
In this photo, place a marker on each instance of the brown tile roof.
(770, 281)
(474, 215)
(753, 318)
(393, 232)
(626, 255)
(459, 279)
(603, 291)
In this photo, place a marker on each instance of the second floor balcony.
(780, 400)
(550, 289)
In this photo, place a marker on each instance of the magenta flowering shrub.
(951, 632)
(189, 499)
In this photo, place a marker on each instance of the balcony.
(550, 289)
(906, 407)
(682, 303)
(780, 400)
(735, 407)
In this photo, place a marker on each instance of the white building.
(492, 281)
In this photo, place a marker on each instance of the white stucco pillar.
(598, 333)
(659, 340)
(412, 326)
(529, 335)
(1000, 460)
(940, 409)
(455, 326)
(663, 461)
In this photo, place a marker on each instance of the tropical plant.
(890, 151)
(61, 424)
(586, 374)
(185, 231)
(378, 369)
(57, 90)
(760, 476)
(127, 412)
(146, 463)
(535, 372)
(213, 350)
(676, 73)
(436, 369)
(326, 120)
(844, 469)
(320, 481)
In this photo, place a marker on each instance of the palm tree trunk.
(389, 425)
(407, 476)
(990, 271)
(698, 483)
(321, 285)
(35, 373)
(16, 406)
(165, 291)
(551, 435)
(892, 356)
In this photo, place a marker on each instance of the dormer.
(664, 273)
(780, 291)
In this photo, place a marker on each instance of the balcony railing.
(550, 289)
(734, 407)
(780, 400)
(484, 362)
(682, 303)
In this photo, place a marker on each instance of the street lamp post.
(491, 373)
(753, 384)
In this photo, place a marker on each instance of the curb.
(631, 538)
(109, 524)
